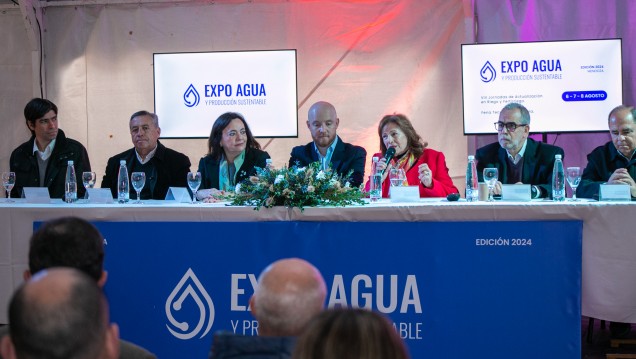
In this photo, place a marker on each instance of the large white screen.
(193, 89)
(568, 86)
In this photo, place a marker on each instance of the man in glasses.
(518, 158)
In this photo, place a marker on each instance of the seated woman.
(350, 334)
(233, 155)
(424, 167)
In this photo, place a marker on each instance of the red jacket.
(442, 184)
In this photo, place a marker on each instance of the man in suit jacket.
(518, 158)
(327, 146)
(164, 167)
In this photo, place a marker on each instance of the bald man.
(290, 292)
(60, 313)
(327, 147)
(614, 162)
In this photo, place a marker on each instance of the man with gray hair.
(290, 292)
(164, 167)
(60, 313)
(519, 159)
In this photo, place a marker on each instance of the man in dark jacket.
(164, 167)
(290, 292)
(327, 147)
(519, 159)
(43, 159)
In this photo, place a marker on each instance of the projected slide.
(193, 89)
(568, 86)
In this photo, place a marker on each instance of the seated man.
(73, 242)
(613, 162)
(42, 160)
(290, 292)
(60, 313)
(164, 167)
(518, 158)
(327, 147)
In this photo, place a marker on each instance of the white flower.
(279, 179)
(237, 189)
(332, 182)
(301, 169)
(347, 184)
(320, 175)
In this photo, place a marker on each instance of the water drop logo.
(191, 96)
(189, 287)
(488, 72)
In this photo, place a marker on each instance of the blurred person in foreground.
(519, 159)
(75, 243)
(350, 334)
(290, 292)
(60, 313)
(327, 147)
(424, 167)
(163, 166)
(233, 155)
(614, 162)
(43, 159)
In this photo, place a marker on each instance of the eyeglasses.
(510, 126)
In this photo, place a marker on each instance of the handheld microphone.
(388, 155)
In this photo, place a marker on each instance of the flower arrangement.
(296, 187)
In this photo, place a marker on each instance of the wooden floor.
(601, 342)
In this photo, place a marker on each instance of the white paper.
(614, 192)
(178, 194)
(37, 195)
(405, 194)
(516, 192)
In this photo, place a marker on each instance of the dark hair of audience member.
(37, 108)
(350, 334)
(60, 328)
(67, 242)
(214, 141)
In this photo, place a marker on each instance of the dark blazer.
(209, 167)
(601, 164)
(172, 170)
(538, 161)
(345, 157)
(25, 166)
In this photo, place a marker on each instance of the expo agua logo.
(487, 72)
(189, 286)
(191, 96)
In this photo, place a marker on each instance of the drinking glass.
(490, 177)
(574, 178)
(194, 181)
(8, 181)
(394, 177)
(88, 178)
(138, 180)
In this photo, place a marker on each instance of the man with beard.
(519, 159)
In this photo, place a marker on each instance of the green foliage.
(296, 187)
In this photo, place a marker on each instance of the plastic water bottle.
(558, 180)
(70, 184)
(375, 186)
(123, 186)
(472, 183)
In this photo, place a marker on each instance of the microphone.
(388, 155)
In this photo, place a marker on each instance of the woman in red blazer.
(424, 167)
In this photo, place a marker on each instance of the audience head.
(622, 129)
(322, 122)
(230, 136)
(350, 334)
(68, 242)
(41, 119)
(397, 131)
(289, 293)
(512, 137)
(144, 131)
(60, 313)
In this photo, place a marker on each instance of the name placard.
(516, 192)
(614, 192)
(404, 194)
(100, 195)
(178, 194)
(36, 195)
